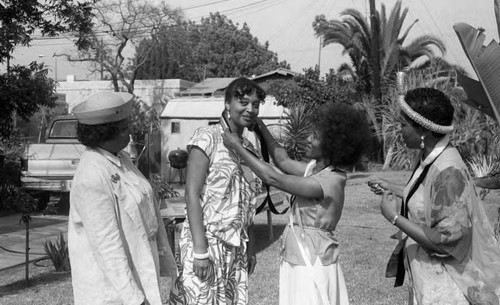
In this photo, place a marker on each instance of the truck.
(47, 168)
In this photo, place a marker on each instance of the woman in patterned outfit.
(310, 272)
(220, 197)
(450, 252)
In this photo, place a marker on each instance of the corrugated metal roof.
(208, 86)
(212, 107)
(280, 71)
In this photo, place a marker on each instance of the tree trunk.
(388, 158)
(375, 62)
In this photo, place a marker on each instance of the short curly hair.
(344, 131)
(432, 104)
(92, 135)
(241, 86)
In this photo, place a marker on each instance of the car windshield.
(63, 129)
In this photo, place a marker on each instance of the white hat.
(104, 107)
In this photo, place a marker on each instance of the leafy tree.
(119, 28)
(302, 97)
(216, 47)
(19, 20)
(25, 88)
(353, 32)
(311, 91)
(171, 55)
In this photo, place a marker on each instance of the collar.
(438, 149)
(112, 158)
(245, 142)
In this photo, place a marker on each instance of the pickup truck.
(47, 168)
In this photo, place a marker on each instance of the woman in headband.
(450, 251)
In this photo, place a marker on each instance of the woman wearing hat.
(450, 251)
(117, 243)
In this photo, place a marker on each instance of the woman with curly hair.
(117, 242)
(310, 272)
(448, 248)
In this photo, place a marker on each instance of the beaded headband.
(419, 119)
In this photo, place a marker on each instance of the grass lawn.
(365, 248)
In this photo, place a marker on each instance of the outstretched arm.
(297, 185)
(279, 154)
(379, 185)
(490, 182)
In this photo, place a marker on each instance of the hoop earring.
(422, 144)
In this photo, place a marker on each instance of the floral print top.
(447, 206)
(229, 194)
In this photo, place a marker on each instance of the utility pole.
(319, 55)
(375, 62)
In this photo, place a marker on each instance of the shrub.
(296, 131)
(161, 187)
(58, 253)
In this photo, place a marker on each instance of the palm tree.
(353, 32)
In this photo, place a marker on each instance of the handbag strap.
(400, 273)
(265, 155)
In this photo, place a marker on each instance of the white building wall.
(192, 113)
(150, 91)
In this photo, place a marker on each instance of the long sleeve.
(95, 202)
(450, 225)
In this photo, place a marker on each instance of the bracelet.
(201, 256)
(393, 221)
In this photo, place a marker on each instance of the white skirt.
(297, 285)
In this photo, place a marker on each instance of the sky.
(287, 26)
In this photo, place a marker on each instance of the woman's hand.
(231, 140)
(378, 185)
(201, 268)
(252, 262)
(389, 205)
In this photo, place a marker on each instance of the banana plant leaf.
(485, 61)
(476, 97)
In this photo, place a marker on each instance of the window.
(213, 123)
(176, 127)
(63, 129)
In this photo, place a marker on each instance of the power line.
(233, 9)
(146, 29)
(259, 9)
(289, 25)
(202, 5)
(437, 27)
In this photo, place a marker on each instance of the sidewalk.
(42, 227)
(13, 237)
